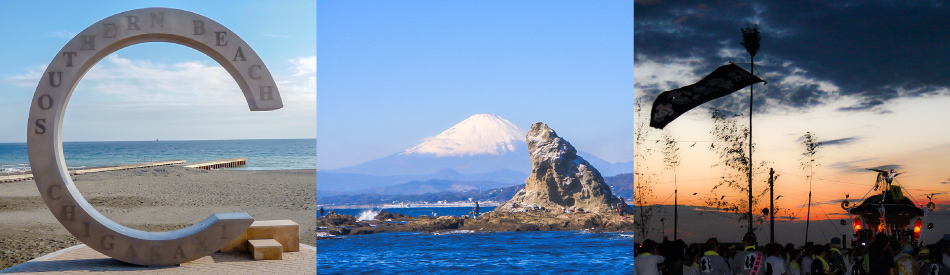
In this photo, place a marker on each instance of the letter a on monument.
(45, 144)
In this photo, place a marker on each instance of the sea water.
(415, 211)
(261, 154)
(468, 252)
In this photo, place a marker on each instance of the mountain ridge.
(482, 147)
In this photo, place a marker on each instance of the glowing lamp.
(857, 225)
(917, 229)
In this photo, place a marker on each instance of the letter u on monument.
(44, 130)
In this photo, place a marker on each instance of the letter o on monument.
(44, 131)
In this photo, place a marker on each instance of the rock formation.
(559, 179)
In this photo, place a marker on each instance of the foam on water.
(454, 232)
(368, 215)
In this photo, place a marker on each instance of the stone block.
(268, 249)
(238, 245)
(286, 232)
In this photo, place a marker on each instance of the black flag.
(723, 81)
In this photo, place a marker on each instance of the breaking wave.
(368, 215)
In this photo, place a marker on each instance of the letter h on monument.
(44, 132)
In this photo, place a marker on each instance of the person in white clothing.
(647, 263)
(774, 264)
(807, 258)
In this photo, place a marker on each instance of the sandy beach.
(156, 199)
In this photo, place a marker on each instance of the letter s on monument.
(48, 107)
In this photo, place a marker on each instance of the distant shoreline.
(410, 206)
(164, 140)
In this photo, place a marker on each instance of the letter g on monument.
(44, 131)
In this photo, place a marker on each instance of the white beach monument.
(44, 132)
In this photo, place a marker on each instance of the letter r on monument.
(44, 142)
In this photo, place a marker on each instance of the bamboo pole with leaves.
(672, 158)
(809, 161)
(750, 40)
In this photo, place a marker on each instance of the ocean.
(538, 252)
(415, 211)
(467, 252)
(261, 154)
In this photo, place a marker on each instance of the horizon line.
(74, 141)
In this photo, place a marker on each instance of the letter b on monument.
(44, 130)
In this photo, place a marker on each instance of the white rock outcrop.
(559, 178)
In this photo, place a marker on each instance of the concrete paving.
(81, 259)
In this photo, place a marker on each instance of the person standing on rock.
(621, 206)
(476, 209)
(321, 211)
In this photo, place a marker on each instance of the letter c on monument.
(44, 132)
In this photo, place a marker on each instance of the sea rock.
(559, 179)
(336, 219)
(383, 215)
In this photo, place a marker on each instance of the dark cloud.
(856, 166)
(840, 141)
(888, 167)
(833, 142)
(875, 51)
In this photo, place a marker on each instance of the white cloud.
(145, 83)
(184, 100)
(305, 65)
(664, 75)
(299, 88)
(193, 83)
(796, 79)
(26, 80)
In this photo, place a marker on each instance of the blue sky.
(161, 90)
(394, 73)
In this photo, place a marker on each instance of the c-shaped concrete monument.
(44, 132)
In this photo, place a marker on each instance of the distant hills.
(621, 185)
(495, 194)
(483, 151)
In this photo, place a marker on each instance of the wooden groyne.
(218, 164)
(129, 166)
(4, 178)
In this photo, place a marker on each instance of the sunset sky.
(870, 80)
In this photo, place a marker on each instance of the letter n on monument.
(44, 141)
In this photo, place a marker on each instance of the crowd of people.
(882, 256)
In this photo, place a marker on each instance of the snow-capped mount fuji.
(479, 144)
(480, 148)
(476, 135)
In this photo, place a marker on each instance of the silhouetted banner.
(723, 81)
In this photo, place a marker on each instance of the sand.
(156, 199)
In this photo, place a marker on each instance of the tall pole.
(808, 216)
(675, 213)
(752, 58)
(750, 40)
(771, 205)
